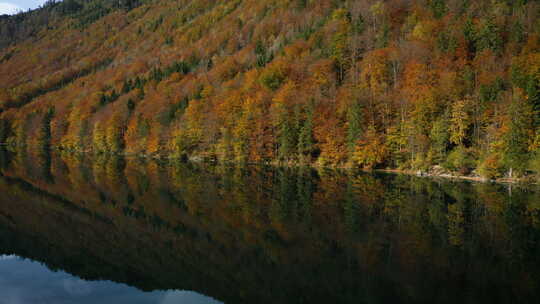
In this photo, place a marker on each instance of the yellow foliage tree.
(371, 151)
(460, 122)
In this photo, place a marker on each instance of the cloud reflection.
(7, 257)
(23, 281)
(187, 297)
(77, 287)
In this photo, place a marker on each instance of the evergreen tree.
(301, 4)
(127, 86)
(44, 139)
(354, 131)
(286, 138)
(440, 137)
(102, 99)
(350, 207)
(305, 137)
(490, 37)
(262, 56)
(130, 106)
(438, 7)
(3, 130)
(84, 128)
(469, 32)
(517, 32)
(359, 25)
(533, 97)
(517, 138)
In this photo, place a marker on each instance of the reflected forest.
(256, 234)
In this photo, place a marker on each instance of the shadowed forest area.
(267, 235)
(401, 84)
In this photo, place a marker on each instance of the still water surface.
(75, 229)
(26, 281)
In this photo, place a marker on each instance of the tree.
(130, 106)
(517, 32)
(284, 120)
(77, 130)
(359, 25)
(287, 137)
(419, 89)
(440, 137)
(446, 42)
(354, 130)
(99, 141)
(375, 78)
(44, 136)
(532, 91)
(263, 57)
(371, 151)
(241, 133)
(340, 41)
(301, 4)
(273, 76)
(518, 135)
(4, 129)
(490, 37)
(114, 135)
(438, 7)
(305, 138)
(459, 122)
(19, 132)
(469, 32)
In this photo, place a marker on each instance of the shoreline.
(477, 179)
(529, 180)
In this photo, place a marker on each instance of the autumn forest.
(397, 84)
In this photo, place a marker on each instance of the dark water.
(75, 229)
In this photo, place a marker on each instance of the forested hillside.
(370, 84)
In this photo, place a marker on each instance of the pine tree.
(354, 131)
(469, 32)
(438, 7)
(518, 136)
(130, 106)
(305, 138)
(440, 137)
(533, 97)
(127, 86)
(3, 130)
(490, 37)
(44, 137)
(286, 138)
(359, 25)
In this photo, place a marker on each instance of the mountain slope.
(408, 84)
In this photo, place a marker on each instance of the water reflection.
(256, 234)
(24, 282)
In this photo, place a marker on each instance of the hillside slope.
(398, 83)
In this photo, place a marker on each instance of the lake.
(104, 229)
